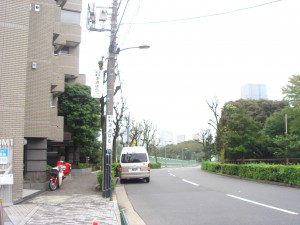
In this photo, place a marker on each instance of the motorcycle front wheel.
(53, 185)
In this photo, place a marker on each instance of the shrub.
(211, 166)
(155, 165)
(115, 168)
(100, 178)
(230, 169)
(262, 171)
(96, 167)
(289, 174)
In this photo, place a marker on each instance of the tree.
(187, 149)
(81, 115)
(275, 124)
(149, 139)
(291, 91)
(135, 133)
(243, 135)
(154, 148)
(119, 116)
(206, 139)
(286, 140)
(220, 141)
(243, 122)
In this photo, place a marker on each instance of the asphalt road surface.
(184, 196)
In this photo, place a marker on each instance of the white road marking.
(190, 182)
(172, 175)
(257, 203)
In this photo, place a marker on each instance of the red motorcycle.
(58, 174)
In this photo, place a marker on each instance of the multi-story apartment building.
(39, 52)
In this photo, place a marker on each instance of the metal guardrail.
(169, 162)
(124, 220)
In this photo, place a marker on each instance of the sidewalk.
(76, 202)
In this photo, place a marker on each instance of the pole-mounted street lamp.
(140, 47)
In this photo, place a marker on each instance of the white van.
(134, 164)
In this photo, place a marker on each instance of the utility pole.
(111, 77)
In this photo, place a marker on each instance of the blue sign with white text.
(3, 155)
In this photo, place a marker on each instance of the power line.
(130, 23)
(122, 14)
(210, 15)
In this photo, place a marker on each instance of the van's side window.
(134, 158)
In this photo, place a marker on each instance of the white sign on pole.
(97, 84)
(109, 133)
(6, 179)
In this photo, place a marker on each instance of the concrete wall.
(14, 26)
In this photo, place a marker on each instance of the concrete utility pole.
(111, 77)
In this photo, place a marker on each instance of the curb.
(125, 205)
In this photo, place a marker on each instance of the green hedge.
(230, 169)
(211, 166)
(289, 174)
(155, 165)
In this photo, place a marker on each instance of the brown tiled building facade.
(39, 52)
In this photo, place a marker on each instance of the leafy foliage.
(100, 178)
(209, 149)
(149, 136)
(242, 123)
(81, 114)
(155, 165)
(289, 174)
(292, 91)
(187, 150)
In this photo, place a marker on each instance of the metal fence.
(124, 220)
(169, 162)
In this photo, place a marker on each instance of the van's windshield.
(134, 158)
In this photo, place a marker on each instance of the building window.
(53, 100)
(65, 50)
(70, 17)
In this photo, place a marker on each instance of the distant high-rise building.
(166, 137)
(180, 138)
(196, 137)
(254, 91)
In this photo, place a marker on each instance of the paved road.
(189, 196)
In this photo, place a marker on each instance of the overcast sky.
(200, 50)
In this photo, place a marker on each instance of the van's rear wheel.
(147, 179)
(121, 181)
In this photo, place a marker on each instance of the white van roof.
(133, 149)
